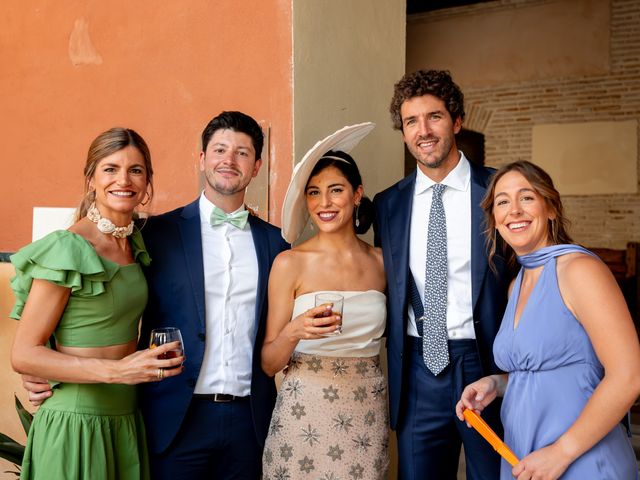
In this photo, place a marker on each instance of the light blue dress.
(553, 371)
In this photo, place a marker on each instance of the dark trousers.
(429, 433)
(215, 441)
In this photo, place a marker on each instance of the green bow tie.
(237, 219)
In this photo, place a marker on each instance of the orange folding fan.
(490, 436)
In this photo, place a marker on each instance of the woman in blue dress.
(567, 343)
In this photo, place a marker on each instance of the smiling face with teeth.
(429, 133)
(521, 214)
(331, 200)
(229, 163)
(120, 183)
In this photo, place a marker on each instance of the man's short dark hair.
(238, 122)
(427, 82)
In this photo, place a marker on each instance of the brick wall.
(509, 111)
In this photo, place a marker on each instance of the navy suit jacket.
(176, 299)
(489, 290)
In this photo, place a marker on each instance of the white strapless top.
(363, 321)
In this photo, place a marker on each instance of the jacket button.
(201, 336)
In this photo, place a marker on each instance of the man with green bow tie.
(208, 277)
(211, 263)
(238, 218)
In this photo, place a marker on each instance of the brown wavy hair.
(542, 184)
(427, 82)
(105, 144)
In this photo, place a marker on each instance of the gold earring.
(147, 200)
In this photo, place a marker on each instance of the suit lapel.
(192, 249)
(399, 224)
(261, 243)
(400, 208)
(479, 263)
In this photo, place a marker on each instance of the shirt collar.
(206, 207)
(459, 178)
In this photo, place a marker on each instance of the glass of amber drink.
(160, 336)
(337, 302)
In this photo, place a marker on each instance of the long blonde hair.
(105, 144)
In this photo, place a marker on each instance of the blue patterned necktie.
(435, 349)
(237, 219)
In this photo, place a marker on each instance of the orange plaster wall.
(76, 68)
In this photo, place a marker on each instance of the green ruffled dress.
(86, 431)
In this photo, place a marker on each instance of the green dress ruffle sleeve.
(86, 431)
(107, 299)
(68, 260)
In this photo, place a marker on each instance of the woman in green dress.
(85, 288)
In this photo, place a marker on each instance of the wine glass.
(160, 336)
(337, 302)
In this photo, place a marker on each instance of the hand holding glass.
(337, 302)
(160, 336)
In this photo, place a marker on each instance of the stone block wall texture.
(509, 111)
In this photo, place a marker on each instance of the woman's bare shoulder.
(293, 258)
(377, 252)
(577, 266)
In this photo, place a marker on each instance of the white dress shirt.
(457, 207)
(230, 283)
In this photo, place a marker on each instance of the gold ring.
(160, 374)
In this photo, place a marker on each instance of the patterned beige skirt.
(330, 421)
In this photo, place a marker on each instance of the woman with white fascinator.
(331, 414)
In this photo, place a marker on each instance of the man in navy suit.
(427, 107)
(210, 265)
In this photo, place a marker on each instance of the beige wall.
(73, 69)
(572, 152)
(506, 113)
(347, 56)
(513, 41)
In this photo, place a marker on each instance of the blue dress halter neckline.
(543, 255)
